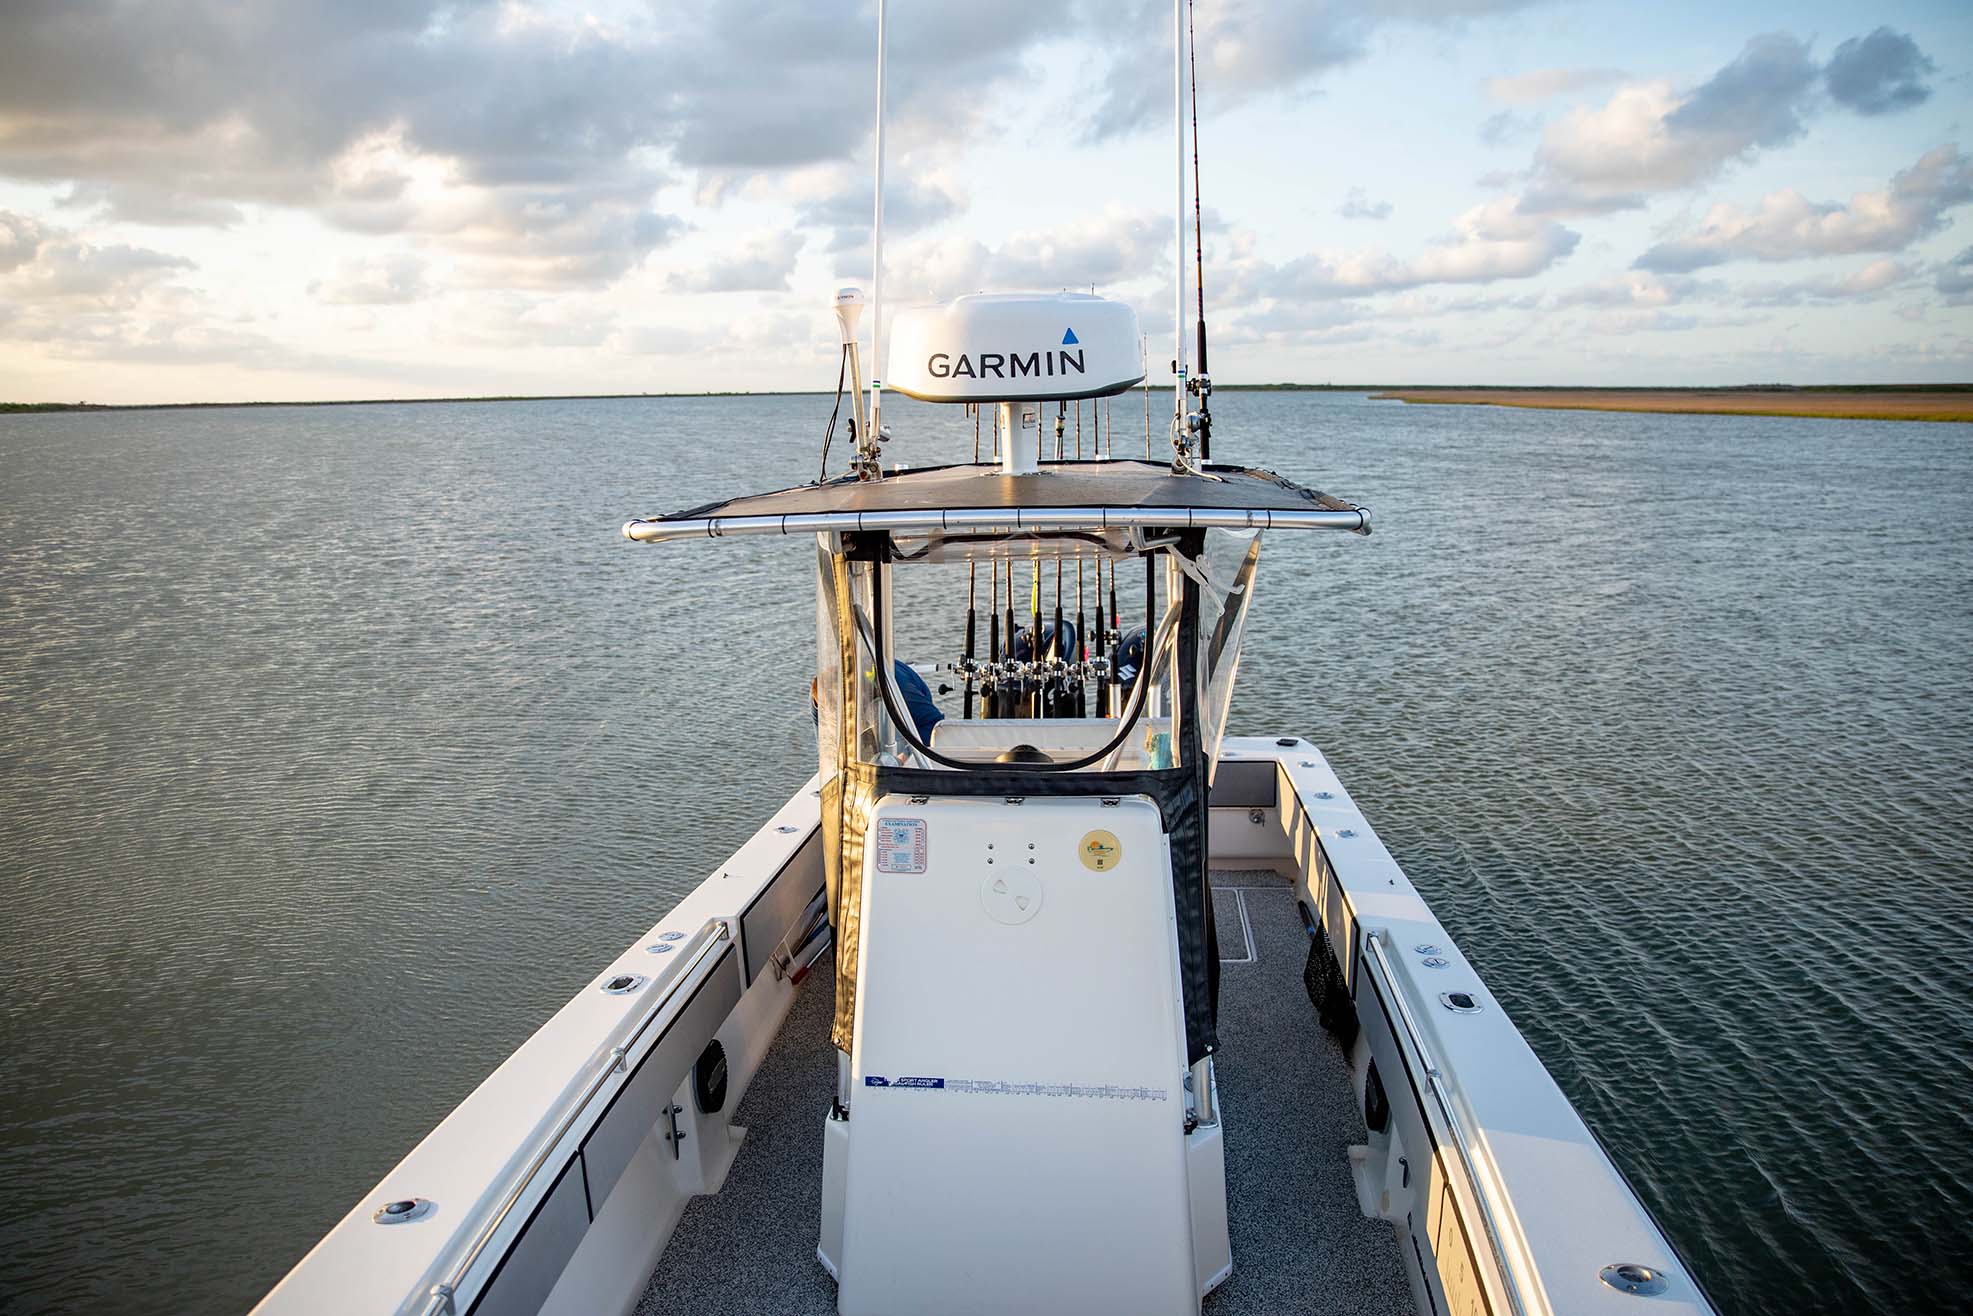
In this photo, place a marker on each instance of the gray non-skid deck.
(1299, 1242)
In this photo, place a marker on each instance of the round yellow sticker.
(1100, 851)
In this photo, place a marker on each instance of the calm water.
(339, 746)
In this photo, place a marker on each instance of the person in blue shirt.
(925, 714)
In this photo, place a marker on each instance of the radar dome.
(1015, 347)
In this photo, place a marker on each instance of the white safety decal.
(900, 844)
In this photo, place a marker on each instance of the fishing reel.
(1056, 681)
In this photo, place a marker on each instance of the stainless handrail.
(652, 530)
(438, 1299)
(1444, 1098)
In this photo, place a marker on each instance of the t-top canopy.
(1070, 495)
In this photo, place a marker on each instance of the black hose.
(842, 372)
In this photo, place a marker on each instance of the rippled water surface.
(339, 746)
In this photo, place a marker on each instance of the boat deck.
(1299, 1242)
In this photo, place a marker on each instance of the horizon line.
(30, 408)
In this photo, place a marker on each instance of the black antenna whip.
(1202, 381)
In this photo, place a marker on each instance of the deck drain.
(403, 1212)
(1629, 1277)
(623, 984)
(1459, 1002)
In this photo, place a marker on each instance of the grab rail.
(1467, 1161)
(438, 1299)
(654, 530)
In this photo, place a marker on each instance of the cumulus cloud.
(1113, 250)
(1636, 290)
(40, 264)
(505, 321)
(1358, 205)
(1245, 49)
(1489, 242)
(1788, 226)
(1876, 277)
(149, 203)
(1754, 101)
(762, 262)
(1103, 250)
(1546, 84)
(771, 332)
(1643, 322)
(839, 199)
(1651, 136)
(558, 238)
(389, 280)
(1880, 73)
(76, 299)
(508, 131)
(219, 100)
(20, 239)
(761, 83)
(1955, 279)
(527, 141)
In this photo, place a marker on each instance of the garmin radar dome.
(1015, 347)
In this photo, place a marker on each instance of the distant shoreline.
(1934, 402)
(32, 408)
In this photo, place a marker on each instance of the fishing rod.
(1102, 686)
(1055, 645)
(1112, 692)
(972, 582)
(1179, 437)
(990, 694)
(972, 625)
(875, 438)
(1034, 609)
(1008, 696)
(1150, 615)
(1082, 634)
(1202, 384)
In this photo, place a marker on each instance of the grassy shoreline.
(1950, 403)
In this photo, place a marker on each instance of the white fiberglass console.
(1017, 1136)
(1015, 347)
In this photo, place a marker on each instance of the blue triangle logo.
(1069, 336)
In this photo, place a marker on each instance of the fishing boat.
(1054, 996)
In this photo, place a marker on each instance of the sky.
(205, 200)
